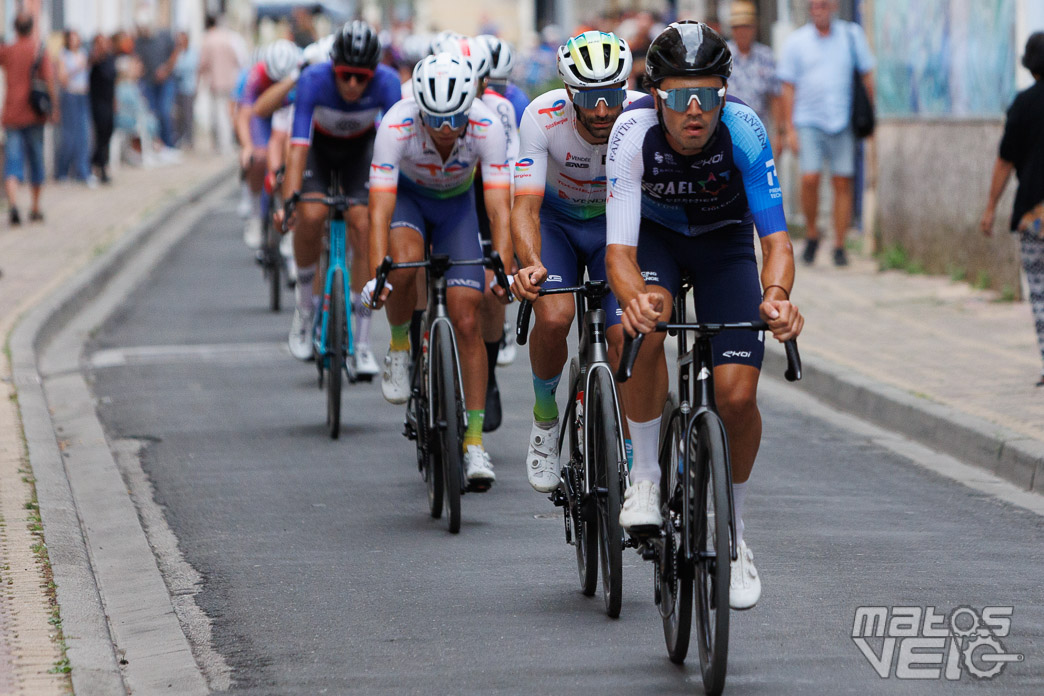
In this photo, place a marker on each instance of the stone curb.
(1001, 451)
(84, 622)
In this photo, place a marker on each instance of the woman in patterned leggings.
(1022, 150)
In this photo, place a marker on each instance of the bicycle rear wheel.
(606, 458)
(273, 265)
(336, 336)
(674, 574)
(581, 508)
(449, 421)
(712, 572)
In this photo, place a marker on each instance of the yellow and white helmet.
(594, 59)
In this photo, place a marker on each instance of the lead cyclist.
(691, 175)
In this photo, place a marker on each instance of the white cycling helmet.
(594, 59)
(318, 52)
(415, 48)
(282, 57)
(475, 50)
(501, 57)
(444, 85)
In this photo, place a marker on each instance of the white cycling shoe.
(744, 583)
(365, 363)
(395, 380)
(252, 233)
(300, 339)
(478, 467)
(641, 506)
(542, 460)
(508, 347)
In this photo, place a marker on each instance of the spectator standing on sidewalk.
(221, 57)
(74, 132)
(185, 69)
(103, 102)
(22, 124)
(754, 77)
(816, 70)
(158, 54)
(1022, 151)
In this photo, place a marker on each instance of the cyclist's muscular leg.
(464, 313)
(493, 312)
(405, 246)
(645, 393)
(311, 217)
(359, 239)
(735, 393)
(548, 344)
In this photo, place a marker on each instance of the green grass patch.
(982, 280)
(893, 258)
(957, 273)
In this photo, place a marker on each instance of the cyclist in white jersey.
(558, 221)
(421, 193)
(476, 50)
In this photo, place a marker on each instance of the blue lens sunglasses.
(455, 121)
(679, 99)
(589, 98)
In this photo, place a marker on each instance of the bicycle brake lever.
(382, 277)
(525, 310)
(793, 372)
(631, 347)
(497, 264)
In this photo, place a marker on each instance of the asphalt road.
(323, 573)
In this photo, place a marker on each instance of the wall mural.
(953, 58)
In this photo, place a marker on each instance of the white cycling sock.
(303, 289)
(739, 494)
(644, 443)
(362, 320)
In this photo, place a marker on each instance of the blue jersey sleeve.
(518, 99)
(308, 91)
(388, 87)
(752, 156)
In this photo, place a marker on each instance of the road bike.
(590, 448)
(332, 342)
(274, 266)
(695, 544)
(435, 415)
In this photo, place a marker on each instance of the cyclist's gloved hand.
(367, 292)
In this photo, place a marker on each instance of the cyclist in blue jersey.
(691, 176)
(335, 113)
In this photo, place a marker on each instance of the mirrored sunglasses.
(679, 99)
(589, 98)
(455, 121)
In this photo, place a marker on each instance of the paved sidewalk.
(35, 260)
(947, 364)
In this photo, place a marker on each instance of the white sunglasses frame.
(663, 96)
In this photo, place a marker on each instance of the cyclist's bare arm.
(382, 206)
(777, 280)
(525, 232)
(498, 207)
(273, 98)
(642, 307)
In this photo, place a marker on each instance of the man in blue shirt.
(816, 70)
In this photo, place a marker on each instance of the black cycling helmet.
(357, 45)
(1033, 58)
(688, 49)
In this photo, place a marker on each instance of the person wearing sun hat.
(754, 77)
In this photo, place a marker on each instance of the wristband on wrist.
(785, 291)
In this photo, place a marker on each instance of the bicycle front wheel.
(673, 573)
(336, 336)
(449, 421)
(712, 570)
(574, 477)
(606, 458)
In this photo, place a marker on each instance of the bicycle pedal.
(478, 486)
(367, 378)
(644, 533)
